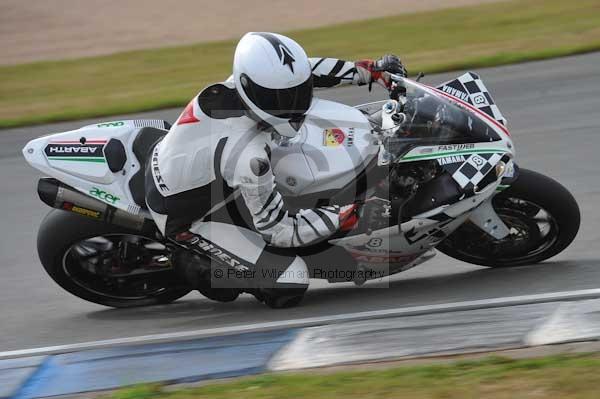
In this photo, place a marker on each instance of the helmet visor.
(287, 103)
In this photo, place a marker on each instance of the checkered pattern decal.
(474, 170)
(470, 88)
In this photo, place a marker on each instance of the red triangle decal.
(187, 116)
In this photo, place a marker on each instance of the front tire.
(543, 218)
(106, 264)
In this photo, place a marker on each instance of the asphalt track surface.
(553, 109)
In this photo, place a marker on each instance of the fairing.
(80, 159)
(333, 146)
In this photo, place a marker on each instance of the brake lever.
(396, 91)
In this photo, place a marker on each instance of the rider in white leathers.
(220, 147)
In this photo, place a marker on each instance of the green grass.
(470, 37)
(565, 377)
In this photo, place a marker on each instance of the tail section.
(98, 160)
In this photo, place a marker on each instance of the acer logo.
(104, 196)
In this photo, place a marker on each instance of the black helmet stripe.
(283, 52)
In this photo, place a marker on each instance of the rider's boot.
(275, 276)
(197, 269)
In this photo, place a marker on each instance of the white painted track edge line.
(308, 322)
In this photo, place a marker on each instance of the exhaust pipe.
(60, 196)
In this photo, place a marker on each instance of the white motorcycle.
(437, 161)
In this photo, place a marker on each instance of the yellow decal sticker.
(333, 137)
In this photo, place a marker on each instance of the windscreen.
(436, 119)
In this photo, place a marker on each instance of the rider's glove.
(349, 217)
(369, 71)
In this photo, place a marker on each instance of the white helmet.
(273, 78)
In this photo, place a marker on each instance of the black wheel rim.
(533, 230)
(120, 266)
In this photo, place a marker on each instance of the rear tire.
(531, 191)
(61, 230)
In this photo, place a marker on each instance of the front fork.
(485, 216)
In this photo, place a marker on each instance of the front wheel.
(106, 264)
(543, 219)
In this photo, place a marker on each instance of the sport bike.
(434, 166)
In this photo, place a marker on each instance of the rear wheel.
(107, 264)
(543, 218)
